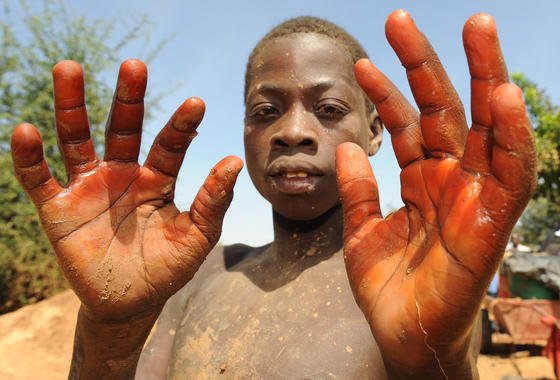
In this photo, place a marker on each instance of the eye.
(263, 112)
(331, 109)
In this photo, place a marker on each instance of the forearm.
(108, 350)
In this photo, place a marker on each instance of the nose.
(296, 128)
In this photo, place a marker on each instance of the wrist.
(437, 364)
(462, 370)
(109, 349)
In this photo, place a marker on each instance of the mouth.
(298, 174)
(291, 179)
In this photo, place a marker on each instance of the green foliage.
(540, 217)
(545, 117)
(28, 269)
(543, 212)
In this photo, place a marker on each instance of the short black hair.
(308, 24)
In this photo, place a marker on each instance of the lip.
(281, 167)
(294, 177)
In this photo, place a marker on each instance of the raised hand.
(420, 273)
(121, 242)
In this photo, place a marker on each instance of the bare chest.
(309, 328)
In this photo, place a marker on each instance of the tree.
(543, 212)
(28, 269)
(540, 217)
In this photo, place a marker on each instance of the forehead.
(304, 59)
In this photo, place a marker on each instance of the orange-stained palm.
(420, 273)
(120, 240)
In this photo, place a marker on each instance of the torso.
(236, 327)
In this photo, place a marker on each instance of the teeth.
(296, 174)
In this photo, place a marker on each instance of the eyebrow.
(272, 89)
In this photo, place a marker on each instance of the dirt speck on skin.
(105, 271)
(167, 190)
(311, 251)
(126, 288)
(402, 336)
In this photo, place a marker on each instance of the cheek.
(352, 133)
(253, 142)
(360, 133)
(247, 131)
(256, 153)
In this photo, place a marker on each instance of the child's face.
(302, 102)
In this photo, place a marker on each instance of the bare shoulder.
(240, 254)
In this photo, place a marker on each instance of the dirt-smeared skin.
(121, 242)
(419, 274)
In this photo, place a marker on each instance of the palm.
(120, 240)
(420, 273)
(117, 214)
(408, 274)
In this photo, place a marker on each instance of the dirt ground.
(36, 344)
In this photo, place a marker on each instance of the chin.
(300, 205)
(301, 210)
(298, 215)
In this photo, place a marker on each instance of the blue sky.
(211, 40)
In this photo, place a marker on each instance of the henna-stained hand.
(121, 242)
(420, 274)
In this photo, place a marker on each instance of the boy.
(284, 310)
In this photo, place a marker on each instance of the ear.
(375, 133)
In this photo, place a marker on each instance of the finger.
(71, 118)
(513, 153)
(504, 194)
(512, 183)
(170, 145)
(488, 71)
(398, 116)
(212, 201)
(443, 122)
(124, 129)
(356, 185)
(30, 166)
(491, 216)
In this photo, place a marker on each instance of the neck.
(318, 238)
(298, 245)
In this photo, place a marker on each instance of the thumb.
(356, 185)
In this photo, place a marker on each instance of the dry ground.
(36, 344)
